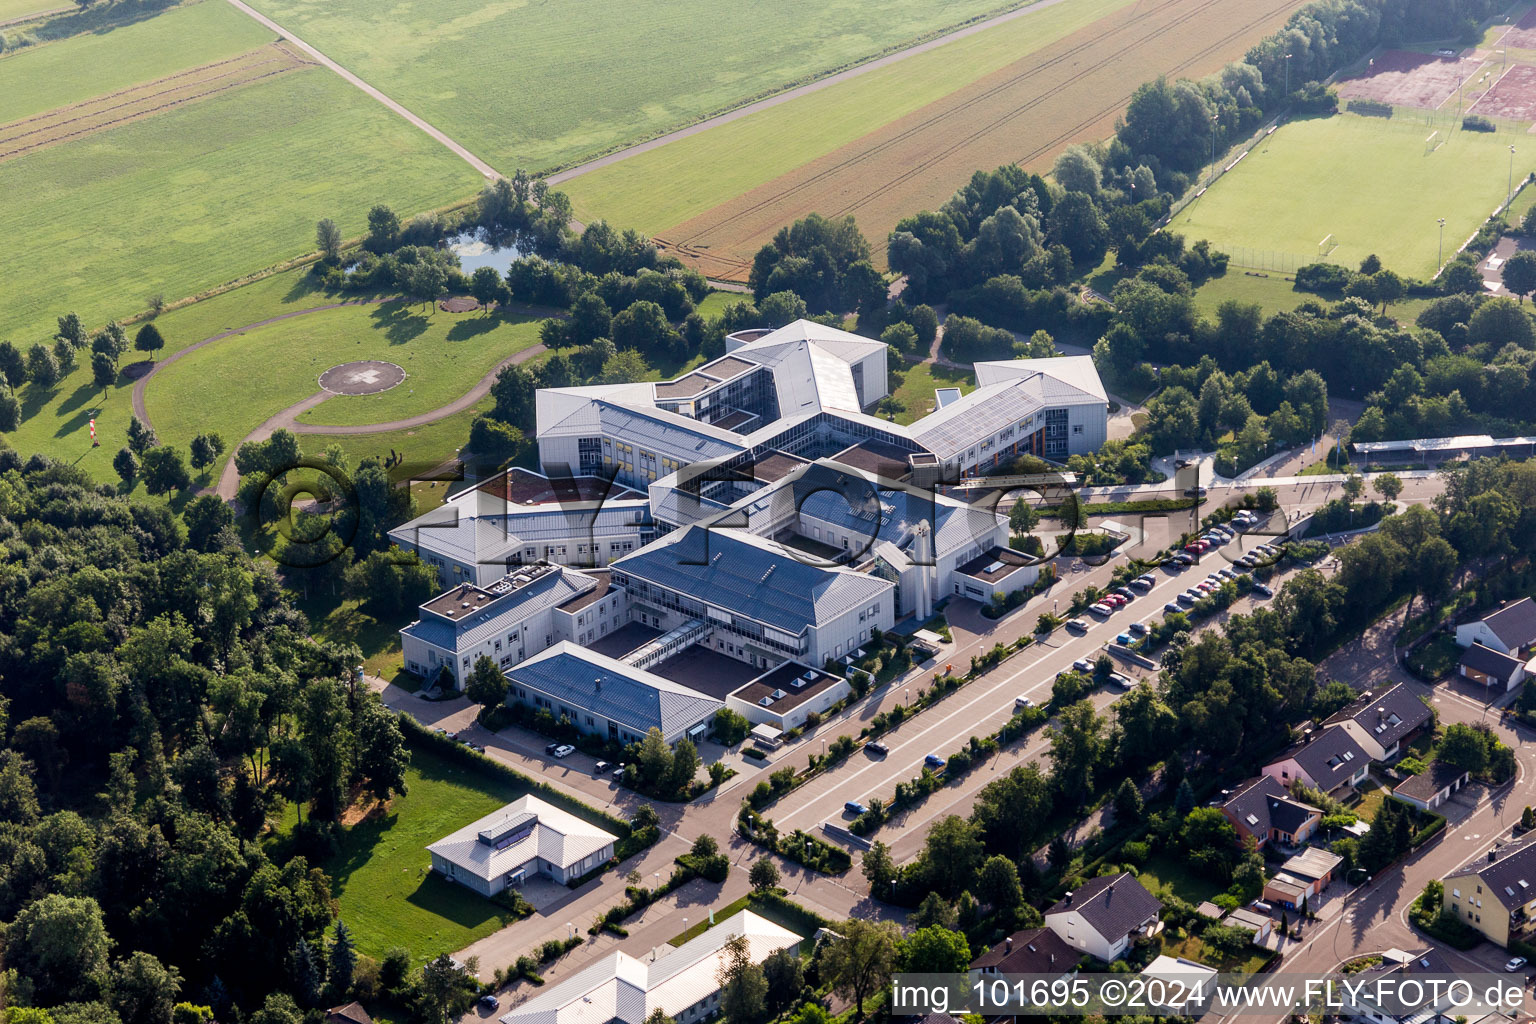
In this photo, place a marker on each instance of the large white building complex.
(749, 509)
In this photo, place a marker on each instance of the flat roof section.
(994, 565)
(626, 638)
(580, 601)
(728, 367)
(686, 386)
(731, 421)
(790, 680)
(709, 672)
(775, 466)
(525, 487)
(878, 457)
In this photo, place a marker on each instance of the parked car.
(1124, 639)
(1019, 703)
(1188, 598)
(1141, 628)
(1515, 964)
(1263, 590)
(855, 808)
(877, 748)
(1077, 625)
(1114, 600)
(601, 768)
(1144, 582)
(1083, 665)
(933, 761)
(1227, 574)
(1123, 681)
(1100, 608)
(1171, 607)
(550, 748)
(1194, 492)
(564, 750)
(488, 1002)
(618, 773)
(1126, 592)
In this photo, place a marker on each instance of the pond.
(475, 250)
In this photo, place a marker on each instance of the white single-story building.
(1433, 786)
(526, 837)
(1511, 629)
(682, 983)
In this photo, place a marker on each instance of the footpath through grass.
(537, 85)
(1367, 181)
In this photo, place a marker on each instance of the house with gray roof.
(1510, 629)
(775, 604)
(526, 837)
(1491, 668)
(1381, 721)
(1436, 784)
(608, 698)
(1327, 760)
(1496, 895)
(1104, 915)
(1263, 810)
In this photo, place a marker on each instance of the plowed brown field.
(1026, 113)
(102, 112)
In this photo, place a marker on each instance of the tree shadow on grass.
(467, 909)
(473, 327)
(78, 398)
(400, 322)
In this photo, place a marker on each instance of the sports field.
(542, 84)
(1367, 181)
(1056, 80)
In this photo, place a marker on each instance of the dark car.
(550, 748)
(877, 748)
(855, 808)
(933, 761)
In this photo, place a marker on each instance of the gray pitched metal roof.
(607, 687)
(751, 577)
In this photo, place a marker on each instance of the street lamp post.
(1440, 258)
(1288, 76)
(1351, 873)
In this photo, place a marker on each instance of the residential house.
(1031, 951)
(682, 983)
(1104, 915)
(1496, 896)
(1380, 722)
(1433, 786)
(524, 838)
(1263, 810)
(1261, 925)
(1511, 629)
(352, 1013)
(1330, 761)
(1491, 668)
(1186, 985)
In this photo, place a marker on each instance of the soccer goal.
(1433, 142)
(1326, 246)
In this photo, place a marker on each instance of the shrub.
(1476, 123)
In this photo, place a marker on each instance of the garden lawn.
(918, 381)
(40, 78)
(200, 195)
(233, 385)
(666, 186)
(538, 85)
(1367, 181)
(382, 877)
(1163, 871)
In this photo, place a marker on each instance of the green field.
(199, 195)
(538, 83)
(1366, 181)
(233, 385)
(659, 189)
(913, 385)
(13, 9)
(382, 877)
(43, 78)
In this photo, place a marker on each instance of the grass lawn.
(11, 9)
(347, 622)
(382, 877)
(722, 914)
(1166, 872)
(1436, 657)
(234, 384)
(1367, 181)
(715, 303)
(1194, 948)
(41, 78)
(1372, 794)
(538, 85)
(914, 384)
(199, 195)
(666, 186)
